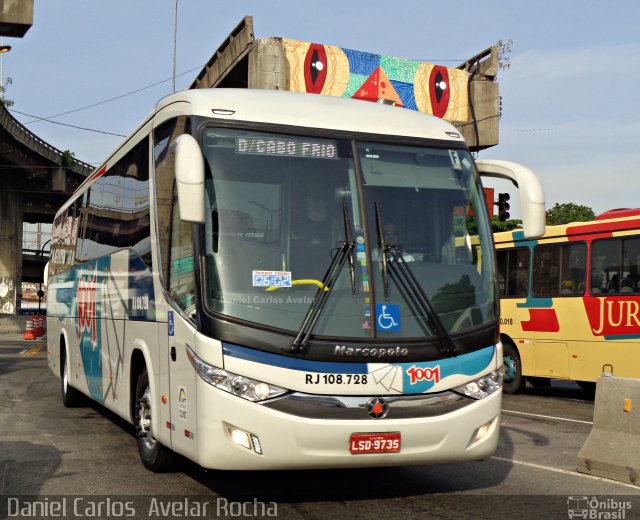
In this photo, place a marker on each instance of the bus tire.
(153, 455)
(71, 398)
(513, 382)
(539, 382)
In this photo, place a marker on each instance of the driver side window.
(182, 286)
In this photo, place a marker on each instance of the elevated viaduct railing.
(28, 139)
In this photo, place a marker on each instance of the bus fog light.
(245, 439)
(482, 431)
(483, 386)
(240, 437)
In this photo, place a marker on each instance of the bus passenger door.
(181, 335)
(182, 384)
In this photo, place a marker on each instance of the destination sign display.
(287, 147)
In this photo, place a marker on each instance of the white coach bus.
(271, 280)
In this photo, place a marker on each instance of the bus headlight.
(245, 387)
(483, 386)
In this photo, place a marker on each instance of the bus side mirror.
(531, 192)
(189, 169)
(45, 274)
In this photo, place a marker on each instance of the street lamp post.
(175, 42)
(3, 49)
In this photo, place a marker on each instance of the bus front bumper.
(277, 440)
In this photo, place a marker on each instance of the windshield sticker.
(183, 410)
(361, 257)
(455, 160)
(272, 278)
(388, 316)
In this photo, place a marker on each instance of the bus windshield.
(280, 208)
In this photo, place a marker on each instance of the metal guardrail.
(32, 141)
(35, 253)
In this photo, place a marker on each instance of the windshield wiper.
(382, 245)
(348, 235)
(344, 253)
(403, 273)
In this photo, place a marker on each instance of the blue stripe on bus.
(622, 337)
(537, 303)
(266, 358)
(466, 364)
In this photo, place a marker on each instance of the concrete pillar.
(11, 209)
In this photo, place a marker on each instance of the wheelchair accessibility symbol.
(170, 319)
(388, 316)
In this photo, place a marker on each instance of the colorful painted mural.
(335, 71)
(7, 295)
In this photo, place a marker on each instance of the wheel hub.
(509, 369)
(143, 426)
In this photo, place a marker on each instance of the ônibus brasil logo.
(86, 298)
(417, 374)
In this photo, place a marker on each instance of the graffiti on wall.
(7, 295)
(335, 71)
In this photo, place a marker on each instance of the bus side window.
(574, 261)
(182, 287)
(164, 172)
(513, 272)
(630, 265)
(605, 265)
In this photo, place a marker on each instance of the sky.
(570, 107)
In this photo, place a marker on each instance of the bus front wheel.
(513, 381)
(154, 456)
(71, 398)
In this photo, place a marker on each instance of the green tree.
(496, 225)
(3, 89)
(569, 212)
(505, 225)
(504, 50)
(68, 158)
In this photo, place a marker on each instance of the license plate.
(374, 443)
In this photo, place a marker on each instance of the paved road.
(46, 449)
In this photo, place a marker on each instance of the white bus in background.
(270, 280)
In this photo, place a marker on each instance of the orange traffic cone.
(29, 332)
(38, 328)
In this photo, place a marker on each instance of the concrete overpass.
(35, 180)
(16, 17)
